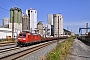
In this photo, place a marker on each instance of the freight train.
(27, 38)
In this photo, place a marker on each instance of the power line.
(14, 2)
(4, 12)
(17, 4)
(4, 9)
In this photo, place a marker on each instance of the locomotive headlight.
(19, 38)
(24, 39)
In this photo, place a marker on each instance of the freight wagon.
(27, 38)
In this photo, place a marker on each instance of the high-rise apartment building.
(25, 23)
(32, 13)
(58, 25)
(40, 28)
(86, 27)
(50, 19)
(5, 21)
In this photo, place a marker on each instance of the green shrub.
(61, 51)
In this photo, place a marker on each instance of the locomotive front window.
(22, 35)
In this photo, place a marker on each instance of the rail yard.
(17, 52)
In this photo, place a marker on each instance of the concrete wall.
(46, 31)
(40, 28)
(33, 19)
(17, 26)
(50, 19)
(32, 13)
(25, 23)
(7, 32)
(5, 21)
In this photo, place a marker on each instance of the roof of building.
(40, 22)
(7, 30)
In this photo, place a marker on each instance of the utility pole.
(12, 27)
(58, 31)
(58, 26)
(67, 30)
(45, 31)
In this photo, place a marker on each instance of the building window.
(60, 18)
(28, 10)
(31, 11)
(35, 11)
(55, 16)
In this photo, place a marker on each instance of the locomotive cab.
(26, 38)
(21, 39)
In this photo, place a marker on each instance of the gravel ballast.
(40, 54)
(7, 46)
(80, 51)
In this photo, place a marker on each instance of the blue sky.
(75, 12)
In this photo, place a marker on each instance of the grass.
(61, 51)
(8, 40)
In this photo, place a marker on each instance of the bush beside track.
(61, 51)
(8, 40)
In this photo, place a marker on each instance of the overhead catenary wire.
(4, 9)
(14, 2)
(9, 10)
(3, 12)
(17, 4)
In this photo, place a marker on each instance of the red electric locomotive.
(25, 38)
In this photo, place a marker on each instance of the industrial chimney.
(86, 28)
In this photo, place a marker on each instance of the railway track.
(8, 49)
(16, 53)
(7, 45)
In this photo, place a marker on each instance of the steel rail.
(7, 44)
(26, 51)
(9, 49)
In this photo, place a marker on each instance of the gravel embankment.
(80, 51)
(40, 54)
